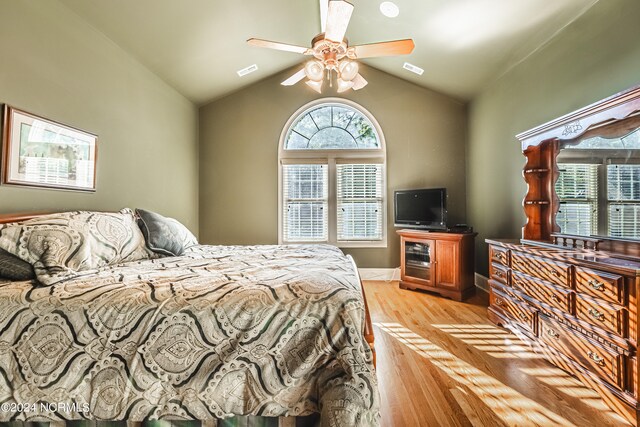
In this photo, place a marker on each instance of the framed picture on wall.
(37, 152)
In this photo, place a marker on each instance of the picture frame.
(42, 153)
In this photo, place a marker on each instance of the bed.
(220, 331)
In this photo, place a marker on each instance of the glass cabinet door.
(419, 260)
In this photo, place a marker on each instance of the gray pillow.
(59, 246)
(164, 235)
(13, 268)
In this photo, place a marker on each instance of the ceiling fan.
(331, 50)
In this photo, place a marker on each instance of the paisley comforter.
(222, 330)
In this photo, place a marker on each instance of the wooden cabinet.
(577, 307)
(437, 262)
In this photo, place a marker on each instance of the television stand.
(440, 262)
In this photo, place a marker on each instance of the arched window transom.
(332, 180)
(332, 127)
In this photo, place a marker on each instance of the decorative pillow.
(59, 246)
(164, 235)
(13, 268)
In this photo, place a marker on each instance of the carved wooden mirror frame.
(540, 145)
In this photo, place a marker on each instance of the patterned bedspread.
(222, 330)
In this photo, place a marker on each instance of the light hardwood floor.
(441, 363)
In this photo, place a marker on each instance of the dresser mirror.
(598, 184)
(583, 176)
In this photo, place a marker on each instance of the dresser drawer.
(504, 289)
(499, 273)
(606, 363)
(609, 287)
(555, 296)
(552, 271)
(499, 255)
(610, 317)
(521, 312)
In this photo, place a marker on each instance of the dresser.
(577, 307)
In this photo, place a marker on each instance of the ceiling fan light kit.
(314, 70)
(315, 85)
(332, 52)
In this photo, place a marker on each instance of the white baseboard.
(393, 274)
(482, 282)
(382, 274)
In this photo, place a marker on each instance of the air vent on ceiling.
(413, 68)
(247, 70)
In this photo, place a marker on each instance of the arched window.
(332, 185)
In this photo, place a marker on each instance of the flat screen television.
(424, 209)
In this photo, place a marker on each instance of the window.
(359, 202)
(332, 176)
(306, 202)
(577, 189)
(623, 197)
(593, 203)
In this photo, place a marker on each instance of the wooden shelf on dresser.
(578, 307)
(437, 262)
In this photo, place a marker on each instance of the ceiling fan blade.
(396, 47)
(338, 20)
(324, 6)
(279, 46)
(294, 79)
(359, 82)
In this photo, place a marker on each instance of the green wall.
(55, 65)
(593, 58)
(239, 134)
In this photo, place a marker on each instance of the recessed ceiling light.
(389, 9)
(413, 68)
(247, 70)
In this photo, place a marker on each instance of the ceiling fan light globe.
(344, 85)
(348, 70)
(314, 70)
(315, 85)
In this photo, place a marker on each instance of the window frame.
(331, 157)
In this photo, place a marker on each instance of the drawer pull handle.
(596, 314)
(598, 286)
(553, 334)
(555, 298)
(555, 273)
(594, 356)
(523, 316)
(499, 301)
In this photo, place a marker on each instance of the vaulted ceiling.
(198, 45)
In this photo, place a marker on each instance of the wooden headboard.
(7, 218)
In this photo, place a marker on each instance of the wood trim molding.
(617, 107)
(9, 218)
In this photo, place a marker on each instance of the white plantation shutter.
(623, 194)
(305, 202)
(624, 220)
(359, 199)
(577, 189)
